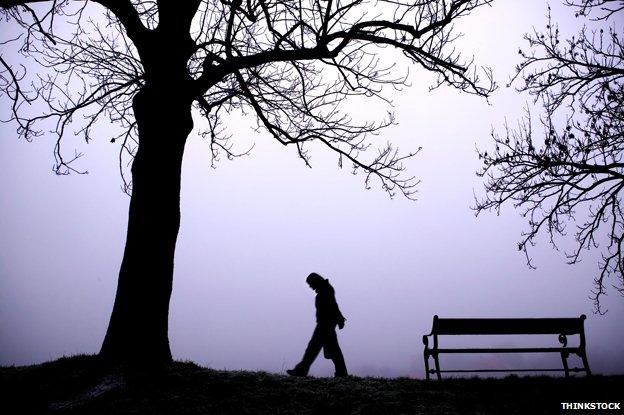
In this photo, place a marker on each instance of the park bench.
(562, 327)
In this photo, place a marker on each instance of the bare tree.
(572, 170)
(295, 65)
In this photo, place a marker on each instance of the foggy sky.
(253, 228)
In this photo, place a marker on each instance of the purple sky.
(253, 229)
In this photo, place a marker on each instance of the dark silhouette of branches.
(297, 67)
(573, 172)
(88, 68)
(604, 8)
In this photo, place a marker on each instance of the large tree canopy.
(572, 170)
(297, 66)
(293, 64)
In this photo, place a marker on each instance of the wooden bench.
(563, 327)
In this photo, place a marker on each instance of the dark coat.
(327, 311)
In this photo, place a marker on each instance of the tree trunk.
(138, 328)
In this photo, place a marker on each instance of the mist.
(253, 228)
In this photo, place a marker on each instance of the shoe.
(295, 372)
(341, 375)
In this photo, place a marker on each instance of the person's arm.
(340, 319)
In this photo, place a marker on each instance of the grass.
(81, 385)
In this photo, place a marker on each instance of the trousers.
(324, 337)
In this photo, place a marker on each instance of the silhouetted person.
(328, 316)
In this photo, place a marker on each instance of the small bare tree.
(573, 170)
(295, 65)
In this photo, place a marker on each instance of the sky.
(253, 228)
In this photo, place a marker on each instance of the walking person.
(328, 316)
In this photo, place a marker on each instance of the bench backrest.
(565, 326)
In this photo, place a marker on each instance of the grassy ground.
(80, 385)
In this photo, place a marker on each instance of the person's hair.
(314, 279)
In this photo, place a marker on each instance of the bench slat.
(461, 326)
(512, 350)
(572, 369)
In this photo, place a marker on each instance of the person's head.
(315, 281)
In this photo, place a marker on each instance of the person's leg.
(314, 347)
(332, 349)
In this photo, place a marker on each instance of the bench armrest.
(425, 340)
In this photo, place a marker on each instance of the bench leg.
(564, 360)
(437, 366)
(585, 363)
(426, 355)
